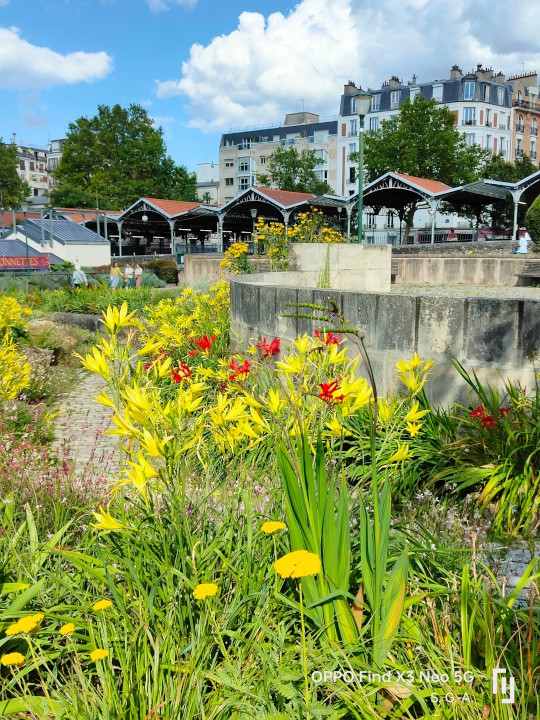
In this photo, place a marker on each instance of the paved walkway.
(80, 428)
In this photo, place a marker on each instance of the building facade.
(525, 115)
(481, 102)
(243, 154)
(208, 182)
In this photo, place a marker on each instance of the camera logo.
(501, 685)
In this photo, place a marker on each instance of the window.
(243, 164)
(390, 219)
(352, 148)
(533, 149)
(322, 175)
(488, 118)
(375, 103)
(244, 183)
(352, 174)
(229, 163)
(469, 89)
(353, 127)
(470, 139)
(370, 217)
(469, 116)
(520, 127)
(229, 182)
(413, 93)
(500, 96)
(519, 150)
(262, 160)
(534, 126)
(488, 142)
(437, 93)
(487, 93)
(502, 146)
(32, 166)
(374, 124)
(353, 106)
(394, 99)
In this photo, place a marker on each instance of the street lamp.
(253, 213)
(363, 99)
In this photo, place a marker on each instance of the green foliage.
(422, 140)
(288, 169)
(14, 190)
(115, 158)
(502, 214)
(164, 268)
(532, 220)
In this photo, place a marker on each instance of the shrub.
(532, 221)
(164, 268)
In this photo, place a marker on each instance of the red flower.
(329, 338)
(181, 373)
(488, 421)
(328, 392)
(204, 344)
(479, 412)
(503, 411)
(269, 350)
(238, 370)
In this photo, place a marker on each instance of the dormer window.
(469, 89)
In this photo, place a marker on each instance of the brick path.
(80, 427)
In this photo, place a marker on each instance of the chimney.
(455, 73)
(394, 82)
(499, 78)
(350, 88)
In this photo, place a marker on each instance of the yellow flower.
(25, 624)
(414, 414)
(101, 605)
(298, 564)
(402, 453)
(14, 658)
(106, 522)
(67, 629)
(272, 526)
(413, 428)
(99, 654)
(205, 590)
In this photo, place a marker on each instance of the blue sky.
(203, 67)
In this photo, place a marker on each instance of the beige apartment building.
(243, 154)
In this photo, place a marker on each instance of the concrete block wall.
(494, 337)
(493, 270)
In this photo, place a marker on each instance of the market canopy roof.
(397, 190)
(525, 190)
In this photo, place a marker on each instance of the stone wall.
(494, 270)
(490, 335)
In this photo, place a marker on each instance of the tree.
(502, 214)
(13, 190)
(115, 158)
(290, 170)
(422, 140)
(532, 221)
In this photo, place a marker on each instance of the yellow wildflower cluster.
(235, 259)
(298, 564)
(275, 241)
(13, 316)
(311, 227)
(25, 624)
(14, 369)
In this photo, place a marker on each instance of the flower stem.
(304, 651)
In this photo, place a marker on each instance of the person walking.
(129, 280)
(115, 274)
(138, 275)
(78, 278)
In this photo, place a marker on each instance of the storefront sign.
(19, 263)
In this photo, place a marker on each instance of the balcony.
(533, 154)
(502, 126)
(468, 122)
(520, 128)
(534, 131)
(519, 152)
(488, 123)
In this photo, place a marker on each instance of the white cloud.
(159, 5)
(23, 65)
(258, 72)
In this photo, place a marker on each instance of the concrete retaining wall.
(458, 270)
(490, 335)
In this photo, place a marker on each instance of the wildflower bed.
(251, 559)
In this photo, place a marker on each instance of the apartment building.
(33, 168)
(525, 115)
(243, 154)
(481, 102)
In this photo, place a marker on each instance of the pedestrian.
(523, 245)
(129, 281)
(138, 275)
(115, 274)
(78, 278)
